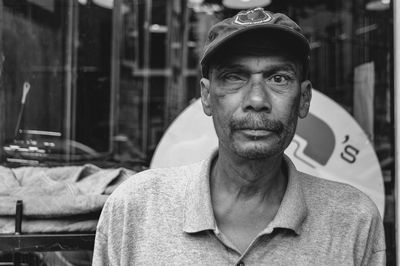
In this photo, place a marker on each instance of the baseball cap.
(255, 20)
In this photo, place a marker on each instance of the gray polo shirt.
(165, 217)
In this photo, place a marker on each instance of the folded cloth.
(53, 195)
(72, 180)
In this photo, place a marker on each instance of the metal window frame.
(396, 35)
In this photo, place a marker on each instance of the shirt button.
(241, 263)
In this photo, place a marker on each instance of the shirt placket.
(240, 258)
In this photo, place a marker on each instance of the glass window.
(101, 81)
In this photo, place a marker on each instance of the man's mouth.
(256, 132)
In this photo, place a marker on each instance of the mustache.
(259, 121)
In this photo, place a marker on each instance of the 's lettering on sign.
(350, 152)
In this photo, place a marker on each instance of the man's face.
(255, 102)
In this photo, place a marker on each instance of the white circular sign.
(328, 143)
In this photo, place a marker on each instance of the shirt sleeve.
(103, 245)
(375, 251)
(100, 252)
(377, 258)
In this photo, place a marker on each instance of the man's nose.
(257, 97)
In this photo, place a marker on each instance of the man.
(246, 204)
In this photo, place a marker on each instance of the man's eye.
(279, 79)
(233, 77)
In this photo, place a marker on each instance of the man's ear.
(305, 98)
(205, 95)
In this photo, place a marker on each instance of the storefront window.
(100, 81)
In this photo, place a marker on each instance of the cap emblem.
(255, 16)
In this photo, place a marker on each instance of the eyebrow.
(230, 67)
(291, 67)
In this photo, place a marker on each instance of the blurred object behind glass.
(61, 51)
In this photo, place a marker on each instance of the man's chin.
(257, 153)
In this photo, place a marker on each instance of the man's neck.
(241, 178)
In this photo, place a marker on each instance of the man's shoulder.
(155, 181)
(336, 197)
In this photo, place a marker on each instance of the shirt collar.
(293, 209)
(198, 211)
